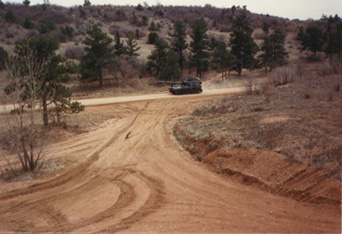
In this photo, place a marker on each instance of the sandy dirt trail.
(130, 175)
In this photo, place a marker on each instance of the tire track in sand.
(91, 158)
(57, 222)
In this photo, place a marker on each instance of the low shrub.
(9, 35)
(336, 66)
(152, 37)
(300, 69)
(74, 52)
(261, 88)
(259, 35)
(28, 24)
(257, 88)
(248, 85)
(283, 75)
(325, 70)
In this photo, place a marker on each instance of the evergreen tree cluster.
(205, 53)
(326, 39)
(167, 61)
(102, 54)
(274, 53)
(199, 57)
(243, 46)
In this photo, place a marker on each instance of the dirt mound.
(269, 171)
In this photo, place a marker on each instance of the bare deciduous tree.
(21, 94)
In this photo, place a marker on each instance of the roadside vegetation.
(299, 118)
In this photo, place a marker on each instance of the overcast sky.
(292, 9)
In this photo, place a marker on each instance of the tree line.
(241, 52)
(238, 54)
(168, 59)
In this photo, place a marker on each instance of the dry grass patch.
(307, 130)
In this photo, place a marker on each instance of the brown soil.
(128, 174)
(269, 171)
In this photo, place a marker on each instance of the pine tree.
(243, 46)
(118, 45)
(274, 52)
(152, 38)
(2, 5)
(277, 38)
(152, 27)
(213, 43)
(199, 47)
(28, 23)
(131, 46)
(338, 40)
(26, 2)
(3, 58)
(171, 71)
(157, 59)
(266, 57)
(99, 54)
(86, 3)
(179, 41)
(10, 17)
(333, 34)
(144, 20)
(265, 28)
(134, 19)
(222, 58)
(311, 39)
(301, 36)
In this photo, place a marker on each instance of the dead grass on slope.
(301, 121)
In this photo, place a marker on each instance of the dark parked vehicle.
(188, 86)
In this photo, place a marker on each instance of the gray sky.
(292, 9)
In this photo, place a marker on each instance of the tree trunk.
(239, 69)
(26, 156)
(32, 161)
(45, 112)
(58, 117)
(180, 61)
(199, 73)
(100, 79)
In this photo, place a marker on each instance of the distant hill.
(70, 24)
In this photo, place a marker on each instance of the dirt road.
(130, 175)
